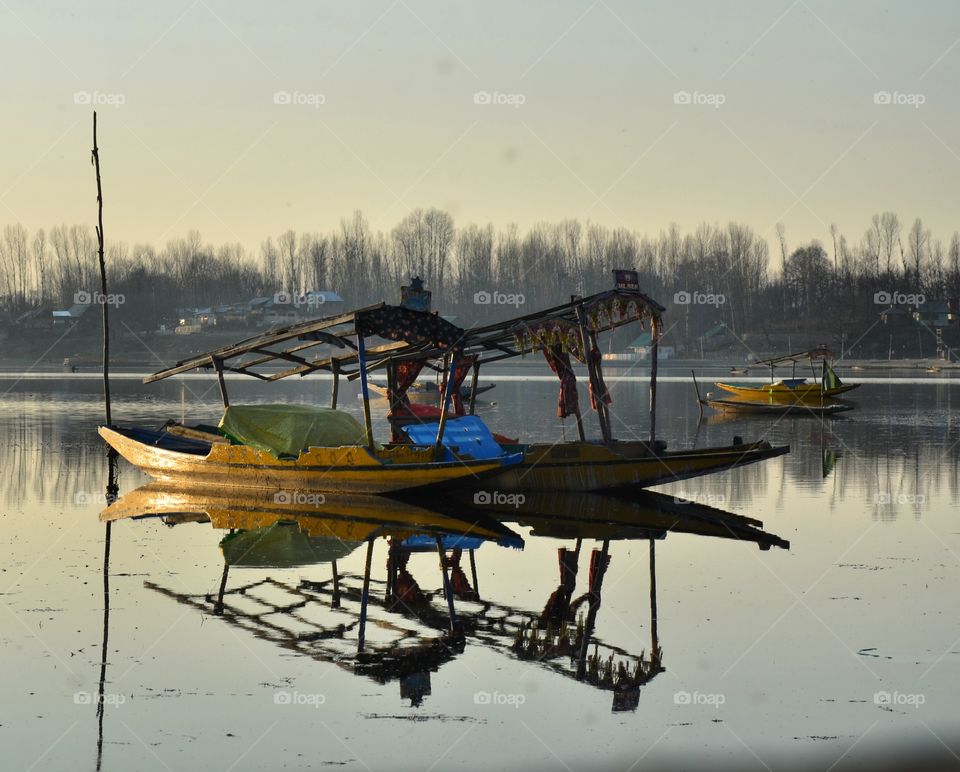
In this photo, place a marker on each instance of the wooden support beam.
(218, 366)
(473, 574)
(335, 366)
(448, 361)
(474, 380)
(447, 589)
(364, 599)
(654, 349)
(365, 391)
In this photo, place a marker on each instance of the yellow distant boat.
(793, 389)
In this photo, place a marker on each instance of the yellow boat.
(346, 469)
(793, 389)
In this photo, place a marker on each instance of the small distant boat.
(793, 389)
(739, 371)
(934, 369)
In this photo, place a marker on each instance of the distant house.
(640, 349)
(71, 316)
(934, 313)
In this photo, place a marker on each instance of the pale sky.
(784, 123)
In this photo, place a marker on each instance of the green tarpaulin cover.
(282, 545)
(285, 430)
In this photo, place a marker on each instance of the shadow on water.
(417, 631)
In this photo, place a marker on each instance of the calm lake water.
(841, 652)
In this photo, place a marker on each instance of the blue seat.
(467, 435)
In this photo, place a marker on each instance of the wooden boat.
(420, 338)
(593, 466)
(776, 407)
(793, 389)
(346, 469)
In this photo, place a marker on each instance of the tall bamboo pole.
(95, 159)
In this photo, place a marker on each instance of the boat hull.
(796, 407)
(783, 392)
(328, 470)
(584, 466)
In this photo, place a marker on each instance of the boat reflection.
(392, 629)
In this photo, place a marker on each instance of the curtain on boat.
(603, 393)
(559, 361)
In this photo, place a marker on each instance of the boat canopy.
(409, 330)
(821, 352)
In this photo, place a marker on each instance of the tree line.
(711, 275)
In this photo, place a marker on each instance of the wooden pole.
(654, 636)
(447, 590)
(593, 606)
(473, 573)
(335, 597)
(104, 641)
(104, 314)
(335, 367)
(218, 606)
(654, 351)
(364, 599)
(364, 390)
(218, 366)
(474, 380)
(696, 387)
(448, 361)
(111, 496)
(591, 371)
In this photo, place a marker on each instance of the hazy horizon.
(241, 120)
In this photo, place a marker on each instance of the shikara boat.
(594, 466)
(420, 339)
(793, 389)
(305, 448)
